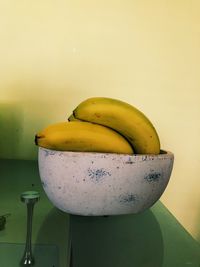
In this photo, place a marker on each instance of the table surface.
(153, 238)
(50, 225)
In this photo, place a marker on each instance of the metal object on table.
(3, 219)
(29, 198)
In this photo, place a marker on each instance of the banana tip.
(74, 113)
(36, 140)
(37, 137)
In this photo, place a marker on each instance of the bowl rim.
(163, 153)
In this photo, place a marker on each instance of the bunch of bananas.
(101, 124)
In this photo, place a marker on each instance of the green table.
(153, 238)
(50, 226)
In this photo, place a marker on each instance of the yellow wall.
(53, 54)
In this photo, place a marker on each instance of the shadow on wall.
(128, 240)
(11, 124)
(198, 229)
(31, 106)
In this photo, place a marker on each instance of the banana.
(123, 118)
(72, 118)
(82, 136)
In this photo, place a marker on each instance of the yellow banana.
(72, 118)
(123, 118)
(82, 136)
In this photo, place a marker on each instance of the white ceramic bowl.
(93, 184)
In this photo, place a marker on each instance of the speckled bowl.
(94, 184)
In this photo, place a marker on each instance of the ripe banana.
(82, 136)
(123, 118)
